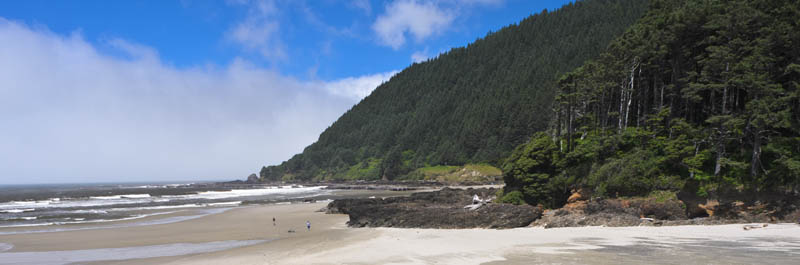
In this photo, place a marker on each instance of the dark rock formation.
(437, 209)
(253, 178)
(445, 209)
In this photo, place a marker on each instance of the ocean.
(51, 207)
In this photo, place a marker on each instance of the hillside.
(471, 104)
(701, 98)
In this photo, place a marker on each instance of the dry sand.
(331, 242)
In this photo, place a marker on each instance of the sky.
(195, 90)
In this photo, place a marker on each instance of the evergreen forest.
(472, 104)
(698, 96)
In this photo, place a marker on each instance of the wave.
(22, 218)
(15, 205)
(18, 210)
(192, 205)
(161, 207)
(139, 202)
(167, 220)
(217, 204)
(275, 190)
(253, 192)
(89, 211)
(123, 196)
(162, 186)
(82, 220)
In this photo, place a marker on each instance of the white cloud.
(358, 87)
(364, 5)
(135, 51)
(482, 2)
(420, 56)
(419, 19)
(258, 31)
(69, 113)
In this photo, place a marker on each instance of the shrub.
(514, 197)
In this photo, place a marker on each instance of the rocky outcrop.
(614, 212)
(445, 209)
(579, 195)
(668, 210)
(253, 178)
(438, 209)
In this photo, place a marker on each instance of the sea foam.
(5, 247)
(100, 209)
(252, 192)
(18, 210)
(167, 220)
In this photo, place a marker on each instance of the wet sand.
(331, 242)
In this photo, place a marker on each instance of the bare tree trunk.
(598, 116)
(621, 109)
(568, 121)
(628, 108)
(558, 122)
(630, 89)
(720, 153)
(696, 149)
(725, 93)
(755, 163)
(711, 100)
(661, 102)
(600, 123)
(638, 114)
(610, 109)
(724, 100)
(655, 94)
(720, 156)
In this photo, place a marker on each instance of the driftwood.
(750, 227)
(477, 202)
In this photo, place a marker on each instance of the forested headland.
(701, 97)
(470, 105)
(615, 98)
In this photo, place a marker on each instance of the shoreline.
(338, 244)
(330, 241)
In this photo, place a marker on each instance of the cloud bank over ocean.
(115, 111)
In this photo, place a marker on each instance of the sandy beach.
(246, 235)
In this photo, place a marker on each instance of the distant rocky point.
(253, 178)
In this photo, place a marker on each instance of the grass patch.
(466, 173)
(367, 170)
(485, 169)
(663, 195)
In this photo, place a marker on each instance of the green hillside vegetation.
(467, 173)
(697, 96)
(471, 104)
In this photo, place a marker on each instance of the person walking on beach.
(308, 225)
(273, 221)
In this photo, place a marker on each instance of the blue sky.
(181, 90)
